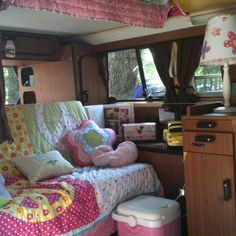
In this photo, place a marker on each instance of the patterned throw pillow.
(7, 152)
(83, 140)
(42, 166)
(21, 145)
(20, 133)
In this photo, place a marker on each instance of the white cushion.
(42, 166)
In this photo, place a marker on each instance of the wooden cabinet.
(209, 168)
(32, 46)
(169, 168)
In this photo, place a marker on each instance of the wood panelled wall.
(54, 81)
(92, 82)
(135, 42)
(62, 80)
(88, 77)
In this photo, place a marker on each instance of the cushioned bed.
(115, 185)
(76, 204)
(79, 203)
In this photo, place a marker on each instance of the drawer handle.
(205, 138)
(226, 189)
(208, 125)
(198, 144)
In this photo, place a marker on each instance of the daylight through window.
(11, 86)
(133, 75)
(208, 81)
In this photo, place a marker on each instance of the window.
(155, 87)
(11, 85)
(208, 81)
(133, 75)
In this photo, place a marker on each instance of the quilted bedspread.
(53, 207)
(73, 204)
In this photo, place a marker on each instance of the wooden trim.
(140, 41)
(200, 109)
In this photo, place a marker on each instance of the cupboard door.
(209, 210)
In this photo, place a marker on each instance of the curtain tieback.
(183, 88)
(173, 87)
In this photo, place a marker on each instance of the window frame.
(200, 95)
(142, 77)
(217, 94)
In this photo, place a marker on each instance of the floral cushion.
(22, 143)
(83, 140)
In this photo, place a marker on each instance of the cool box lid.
(147, 211)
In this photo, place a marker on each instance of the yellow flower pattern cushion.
(19, 130)
(22, 143)
(7, 151)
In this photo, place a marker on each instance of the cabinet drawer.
(205, 142)
(208, 125)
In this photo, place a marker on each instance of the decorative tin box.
(139, 131)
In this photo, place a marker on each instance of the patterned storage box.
(139, 131)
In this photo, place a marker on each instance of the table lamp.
(219, 48)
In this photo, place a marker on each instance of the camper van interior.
(88, 88)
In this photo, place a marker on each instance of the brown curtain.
(5, 132)
(161, 53)
(102, 59)
(188, 56)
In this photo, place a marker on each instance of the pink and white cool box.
(148, 216)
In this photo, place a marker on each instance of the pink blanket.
(53, 207)
(132, 12)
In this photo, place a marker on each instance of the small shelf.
(159, 147)
(200, 109)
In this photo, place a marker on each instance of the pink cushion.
(83, 140)
(126, 153)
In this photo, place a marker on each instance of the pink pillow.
(83, 140)
(126, 153)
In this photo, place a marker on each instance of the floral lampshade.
(219, 48)
(219, 44)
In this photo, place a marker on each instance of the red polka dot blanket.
(53, 207)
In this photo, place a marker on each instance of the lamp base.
(225, 110)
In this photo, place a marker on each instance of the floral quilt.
(53, 207)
